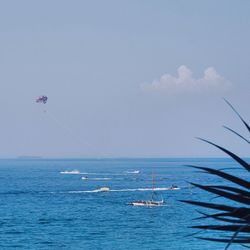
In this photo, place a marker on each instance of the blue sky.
(123, 78)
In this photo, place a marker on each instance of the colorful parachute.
(42, 99)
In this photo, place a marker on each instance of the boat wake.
(75, 171)
(96, 179)
(124, 190)
(87, 173)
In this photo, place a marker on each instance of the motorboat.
(70, 172)
(133, 172)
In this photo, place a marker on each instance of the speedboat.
(70, 172)
(133, 172)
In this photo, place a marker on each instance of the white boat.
(148, 203)
(133, 172)
(70, 172)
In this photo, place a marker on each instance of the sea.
(58, 203)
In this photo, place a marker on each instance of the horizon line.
(114, 157)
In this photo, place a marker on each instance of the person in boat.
(173, 187)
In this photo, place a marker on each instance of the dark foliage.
(232, 221)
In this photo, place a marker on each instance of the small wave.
(14, 192)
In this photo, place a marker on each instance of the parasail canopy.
(42, 99)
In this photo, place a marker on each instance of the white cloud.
(185, 83)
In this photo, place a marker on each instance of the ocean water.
(41, 208)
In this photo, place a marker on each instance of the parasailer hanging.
(42, 99)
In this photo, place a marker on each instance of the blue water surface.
(42, 208)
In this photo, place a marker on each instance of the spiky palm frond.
(236, 217)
